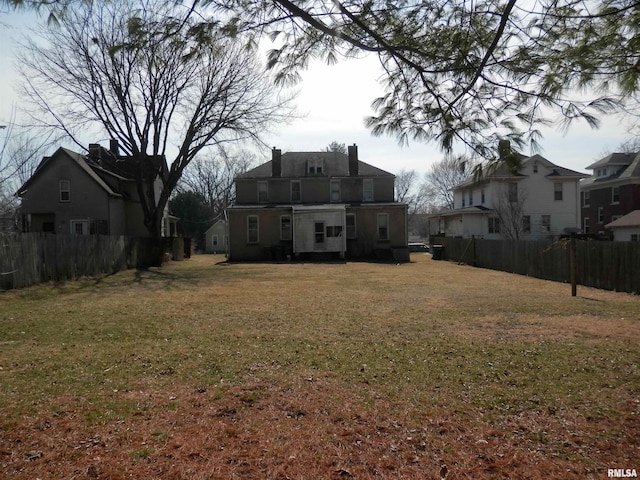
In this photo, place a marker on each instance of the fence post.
(572, 264)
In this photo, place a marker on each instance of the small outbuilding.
(626, 228)
(217, 238)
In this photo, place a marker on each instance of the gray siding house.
(317, 205)
(72, 193)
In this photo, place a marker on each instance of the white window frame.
(585, 225)
(352, 231)
(255, 230)
(558, 191)
(214, 240)
(84, 224)
(263, 192)
(65, 188)
(299, 197)
(586, 198)
(335, 193)
(319, 234)
(367, 190)
(494, 224)
(383, 223)
(615, 195)
(512, 192)
(526, 223)
(545, 223)
(285, 235)
(600, 215)
(315, 166)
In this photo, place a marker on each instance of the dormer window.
(535, 167)
(315, 167)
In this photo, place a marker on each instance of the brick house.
(612, 191)
(317, 205)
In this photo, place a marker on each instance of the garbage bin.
(437, 252)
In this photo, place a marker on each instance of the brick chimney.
(276, 162)
(94, 151)
(353, 160)
(113, 147)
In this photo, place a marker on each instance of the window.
(285, 227)
(65, 191)
(335, 190)
(600, 215)
(586, 195)
(512, 192)
(79, 227)
(494, 225)
(615, 194)
(482, 196)
(319, 232)
(351, 225)
(635, 237)
(526, 224)
(470, 197)
(383, 226)
(535, 167)
(334, 231)
(296, 191)
(464, 202)
(557, 191)
(367, 190)
(585, 225)
(314, 167)
(253, 228)
(215, 240)
(546, 223)
(263, 192)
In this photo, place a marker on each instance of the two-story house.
(612, 191)
(540, 200)
(316, 204)
(72, 193)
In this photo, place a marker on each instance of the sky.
(334, 101)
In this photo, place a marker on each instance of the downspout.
(227, 247)
(293, 231)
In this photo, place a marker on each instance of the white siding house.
(217, 238)
(626, 228)
(540, 200)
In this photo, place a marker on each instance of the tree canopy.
(465, 72)
(154, 77)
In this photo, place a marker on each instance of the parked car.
(418, 247)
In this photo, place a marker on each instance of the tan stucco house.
(316, 205)
(72, 193)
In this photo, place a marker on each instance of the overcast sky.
(335, 100)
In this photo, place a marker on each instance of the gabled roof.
(631, 219)
(294, 164)
(79, 159)
(471, 210)
(101, 164)
(503, 172)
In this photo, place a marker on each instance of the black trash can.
(437, 252)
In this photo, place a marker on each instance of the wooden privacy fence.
(599, 264)
(30, 258)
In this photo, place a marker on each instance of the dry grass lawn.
(426, 370)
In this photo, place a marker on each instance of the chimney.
(113, 147)
(94, 151)
(504, 148)
(276, 162)
(353, 160)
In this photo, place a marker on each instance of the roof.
(294, 164)
(105, 164)
(629, 168)
(502, 172)
(631, 219)
(618, 158)
(472, 210)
